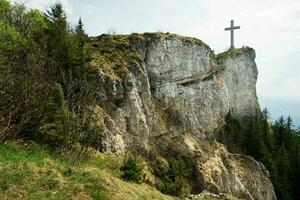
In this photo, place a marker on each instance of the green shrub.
(179, 177)
(132, 169)
(176, 179)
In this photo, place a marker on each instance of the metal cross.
(231, 29)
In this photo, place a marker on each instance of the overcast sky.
(271, 27)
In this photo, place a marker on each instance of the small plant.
(49, 183)
(132, 169)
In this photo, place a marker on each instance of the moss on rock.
(232, 53)
(114, 55)
(161, 35)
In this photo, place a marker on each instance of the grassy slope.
(28, 171)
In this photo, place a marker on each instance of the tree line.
(276, 145)
(44, 84)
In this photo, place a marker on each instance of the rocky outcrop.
(240, 76)
(183, 76)
(221, 172)
(235, 174)
(154, 87)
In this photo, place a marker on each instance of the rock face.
(240, 76)
(236, 174)
(175, 87)
(184, 76)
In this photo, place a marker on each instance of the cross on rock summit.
(231, 29)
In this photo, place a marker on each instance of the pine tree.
(267, 135)
(58, 37)
(288, 132)
(80, 40)
(80, 33)
(279, 131)
(57, 16)
(295, 166)
(252, 139)
(283, 167)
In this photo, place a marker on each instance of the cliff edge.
(169, 93)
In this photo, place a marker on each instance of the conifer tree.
(80, 33)
(58, 36)
(80, 40)
(267, 137)
(283, 166)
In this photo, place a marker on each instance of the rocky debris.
(235, 174)
(208, 195)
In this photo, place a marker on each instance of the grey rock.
(181, 91)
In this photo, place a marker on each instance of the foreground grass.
(28, 171)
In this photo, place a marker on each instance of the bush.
(132, 169)
(176, 180)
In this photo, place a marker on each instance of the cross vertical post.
(232, 34)
(231, 29)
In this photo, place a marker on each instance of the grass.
(232, 52)
(114, 54)
(28, 171)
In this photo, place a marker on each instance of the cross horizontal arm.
(230, 28)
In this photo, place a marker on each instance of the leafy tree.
(39, 71)
(5, 11)
(11, 41)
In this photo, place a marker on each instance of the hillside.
(28, 171)
(138, 116)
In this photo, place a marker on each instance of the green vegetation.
(114, 54)
(276, 145)
(232, 52)
(171, 176)
(173, 173)
(176, 178)
(132, 168)
(45, 92)
(48, 94)
(28, 171)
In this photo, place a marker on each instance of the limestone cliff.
(157, 90)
